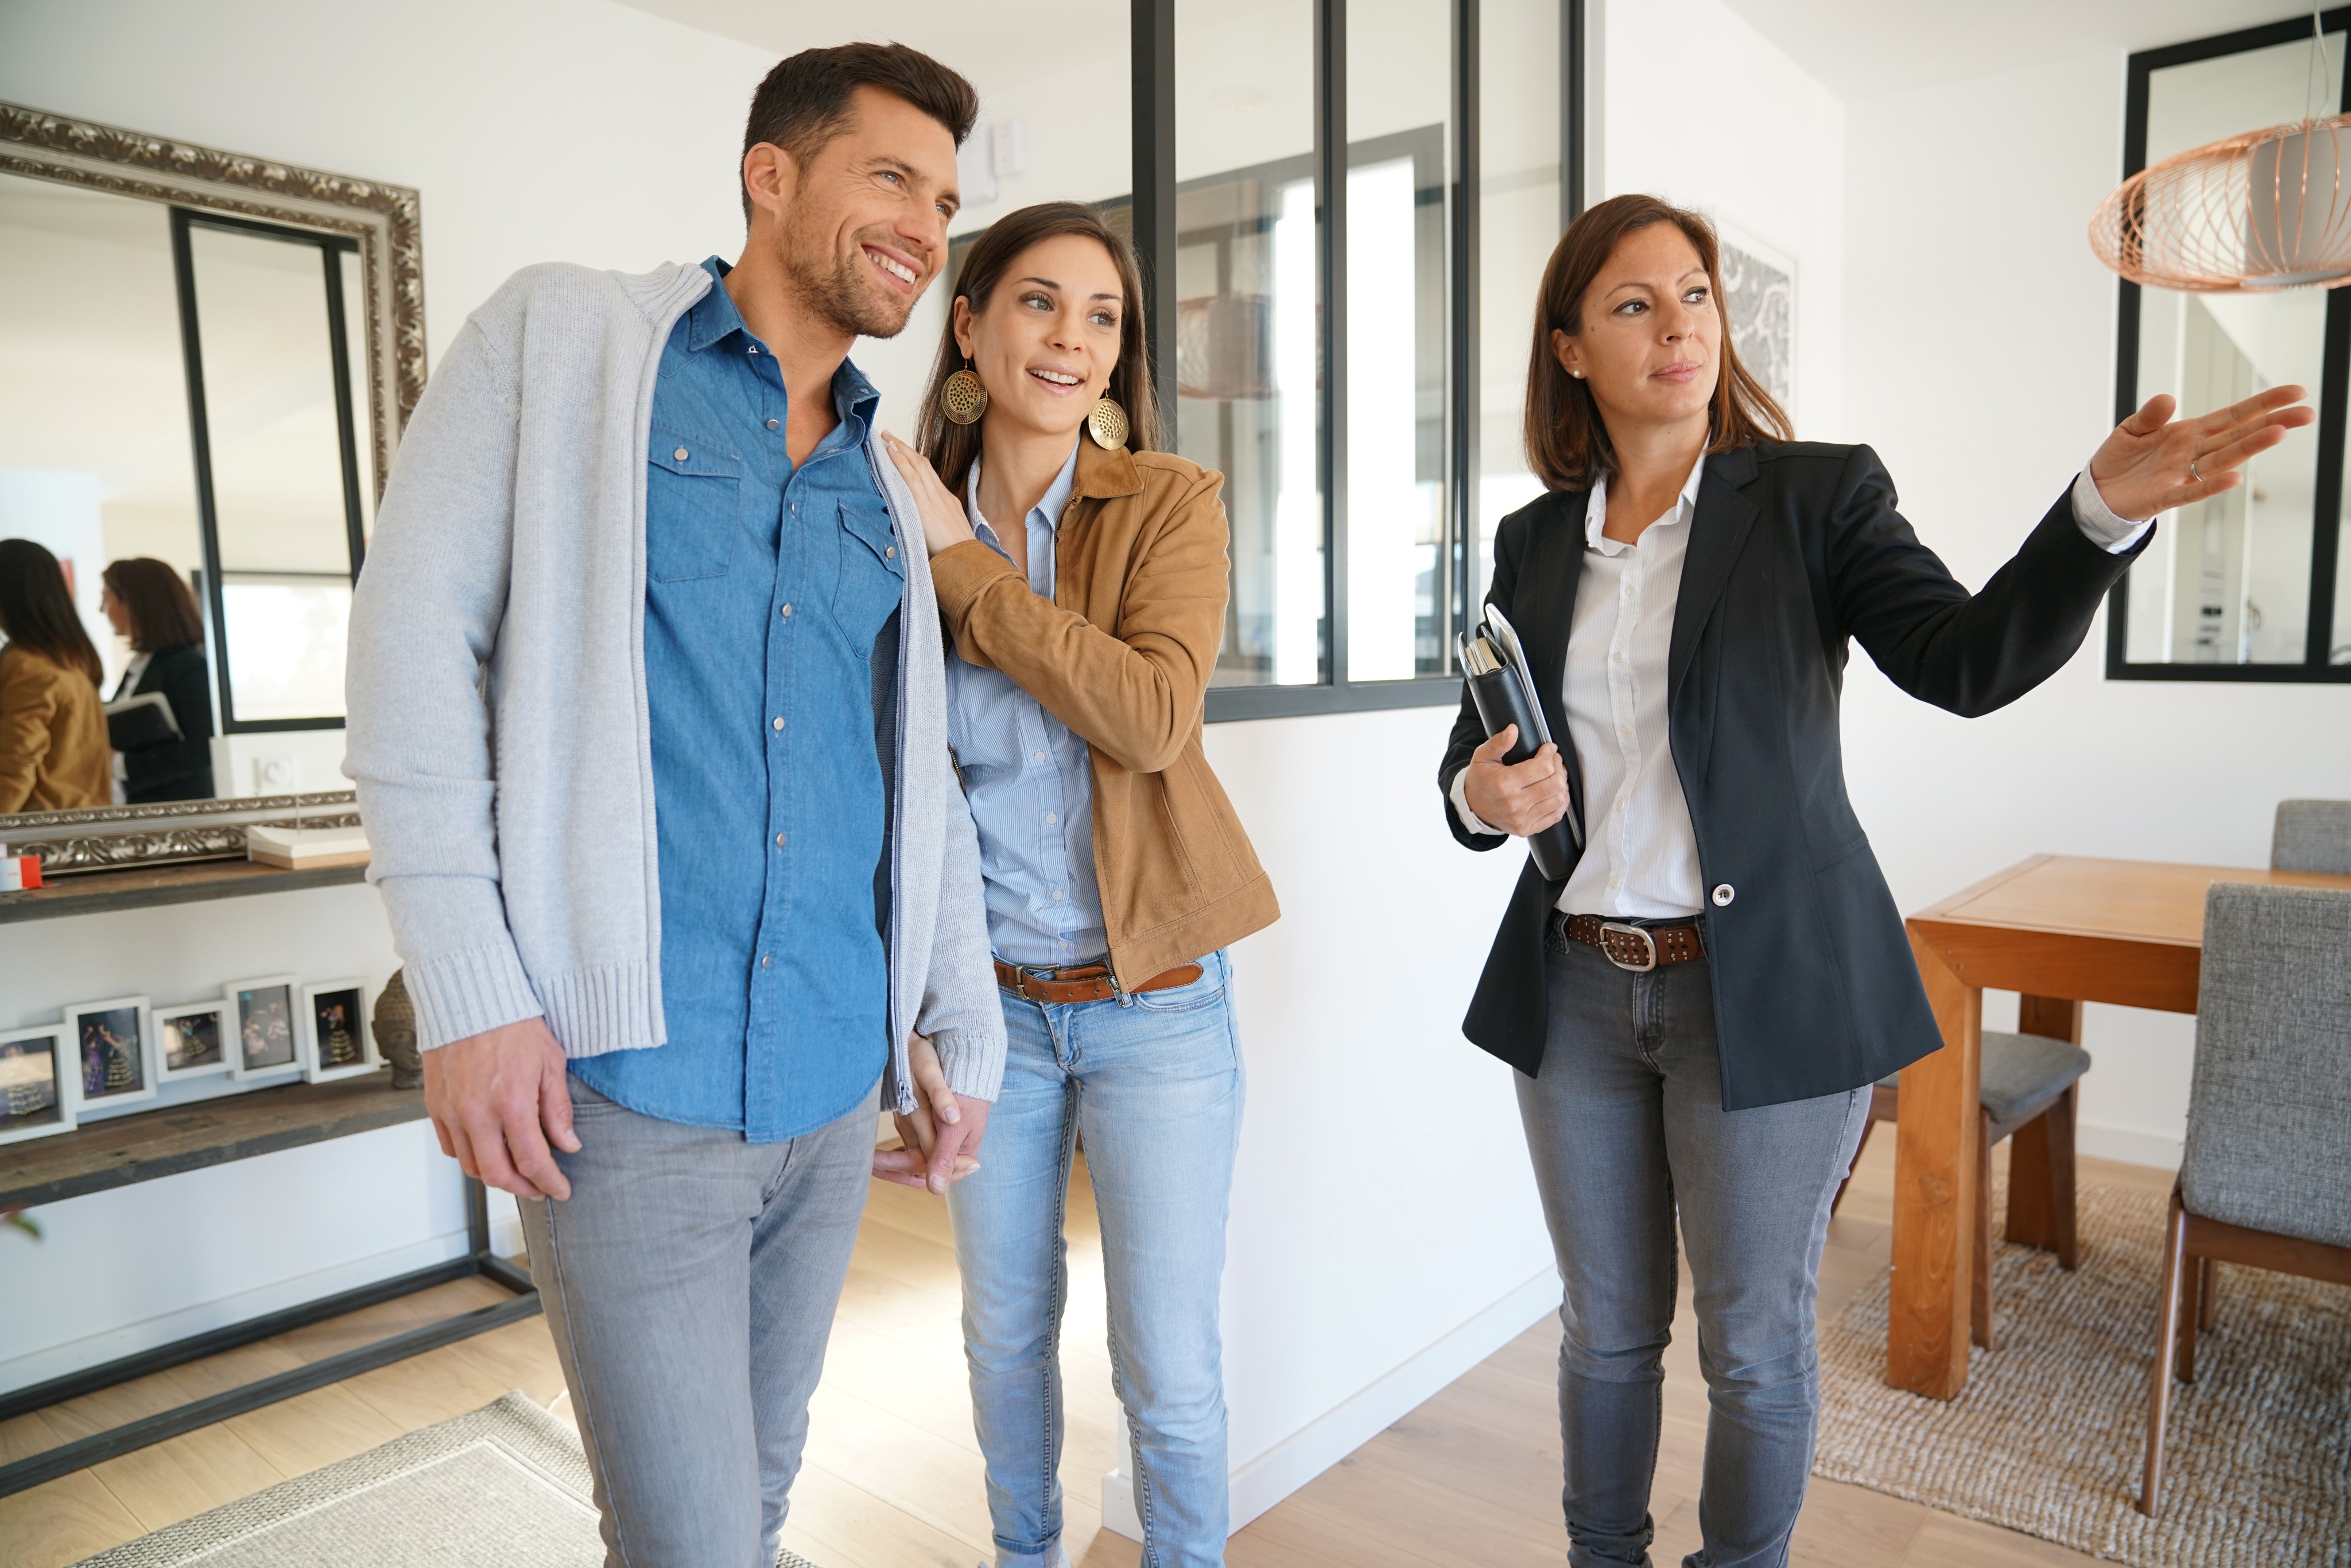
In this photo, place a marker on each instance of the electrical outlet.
(273, 773)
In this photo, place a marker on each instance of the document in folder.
(1495, 665)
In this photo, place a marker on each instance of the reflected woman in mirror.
(150, 605)
(53, 750)
(1698, 1008)
(1082, 575)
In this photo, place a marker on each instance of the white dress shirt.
(1640, 852)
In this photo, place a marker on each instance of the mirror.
(204, 364)
(2233, 587)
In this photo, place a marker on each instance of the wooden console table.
(2061, 930)
(123, 1150)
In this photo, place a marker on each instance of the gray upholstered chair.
(2266, 1179)
(2026, 1079)
(2312, 835)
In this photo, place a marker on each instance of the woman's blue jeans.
(1155, 1083)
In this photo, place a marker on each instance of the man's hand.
(497, 1100)
(1523, 799)
(938, 1142)
(2152, 463)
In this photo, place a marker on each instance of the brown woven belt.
(1639, 949)
(1084, 983)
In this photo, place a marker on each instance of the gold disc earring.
(1107, 424)
(963, 397)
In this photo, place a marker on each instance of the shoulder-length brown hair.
(952, 447)
(162, 610)
(1567, 442)
(36, 609)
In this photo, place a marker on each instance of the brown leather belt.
(1083, 982)
(1639, 949)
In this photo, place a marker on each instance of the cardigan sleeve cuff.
(467, 992)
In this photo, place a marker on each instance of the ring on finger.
(2193, 472)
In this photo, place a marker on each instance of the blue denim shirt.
(1031, 792)
(766, 589)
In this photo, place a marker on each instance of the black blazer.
(178, 769)
(1796, 550)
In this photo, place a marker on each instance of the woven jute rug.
(2048, 1435)
(504, 1486)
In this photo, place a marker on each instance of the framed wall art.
(262, 1019)
(36, 1082)
(335, 1040)
(114, 1051)
(190, 1041)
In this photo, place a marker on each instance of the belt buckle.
(1648, 944)
(1042, 972)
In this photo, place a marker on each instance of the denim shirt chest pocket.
(693, 499)
(872, 579)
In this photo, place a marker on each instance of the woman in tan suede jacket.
(53, 751)
(1082, 580)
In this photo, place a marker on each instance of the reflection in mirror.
(286, 489)
(2227, 581)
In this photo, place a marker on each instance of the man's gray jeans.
(1625, 1124)
(690, 1281)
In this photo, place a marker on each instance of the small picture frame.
(36, 1082)
(262, 1019)
(336, 1042)
(113, 1053)
(191, 1042)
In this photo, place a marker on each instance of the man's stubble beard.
(842, 294)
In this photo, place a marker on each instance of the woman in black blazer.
(1696, 1012)
(147, 603)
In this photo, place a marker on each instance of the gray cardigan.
(498, 732)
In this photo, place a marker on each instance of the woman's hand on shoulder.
(943, 522)
(2152, 463)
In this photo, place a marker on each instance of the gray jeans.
(1627, 1126)
(690, 1281)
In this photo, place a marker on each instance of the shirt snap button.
(780, 724)
(890, 553)
(679, 454)
(1723, 893)
(779, 839)
(772, 423)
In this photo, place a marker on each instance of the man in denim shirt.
(692, 1003)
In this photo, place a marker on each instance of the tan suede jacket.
(1123, 656)
(53, 751)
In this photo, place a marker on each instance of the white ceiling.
(994, 42)
(1862, 48)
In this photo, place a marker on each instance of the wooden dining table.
(2060, 930)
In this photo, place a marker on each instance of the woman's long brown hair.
(953, 447)
(1567, 441)
(163, 614)
(36, 611)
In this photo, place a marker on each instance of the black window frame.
(1152, 40)
(331, 247)
(2334, 383)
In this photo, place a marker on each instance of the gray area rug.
(2048, 1436)
(504, 1487)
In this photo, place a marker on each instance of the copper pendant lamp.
(2257, 211)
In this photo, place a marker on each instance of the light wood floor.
(894, 1477)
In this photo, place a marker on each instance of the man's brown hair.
(1567, 442)
(805, 101)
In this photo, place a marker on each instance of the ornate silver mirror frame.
(383, 221)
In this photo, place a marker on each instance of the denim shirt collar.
(713, 321)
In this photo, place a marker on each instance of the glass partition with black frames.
(2250, 584)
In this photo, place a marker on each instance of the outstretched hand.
(944, 523)
(2152, 463)
(937, 1140)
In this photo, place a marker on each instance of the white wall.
(1982, 368)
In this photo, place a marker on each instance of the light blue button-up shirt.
(1032, 795)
